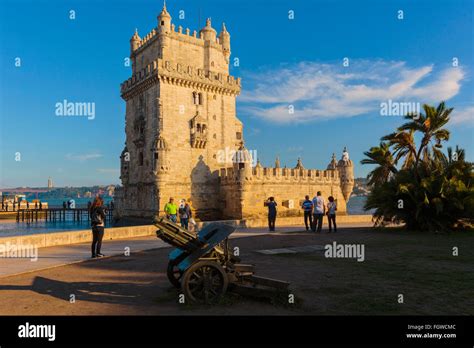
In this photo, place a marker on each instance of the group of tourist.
(183, 211)
(314, 211)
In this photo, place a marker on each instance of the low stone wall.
(73, 237)
(291, 221)
(85, 236)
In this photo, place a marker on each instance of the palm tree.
(381, 156)
(431, 126)
(403, 144)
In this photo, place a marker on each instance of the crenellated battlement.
(270, 174)
(184, 36)
(188, 76)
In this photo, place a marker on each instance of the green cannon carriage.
(204, 267)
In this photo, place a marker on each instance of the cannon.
(203, 266)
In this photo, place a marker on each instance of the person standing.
(332, 207)
(319, 209)
(171, 210)
(181, 213)
(307, 207)
(185, 214)
(97, 215)
(192, 225)
(272, 212)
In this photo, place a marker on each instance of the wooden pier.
(58, 214)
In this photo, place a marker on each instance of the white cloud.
(464, 116)
(322, 91)
(83, 157)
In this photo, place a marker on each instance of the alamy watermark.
(28, 330)
(349, 251)
(67, 108)
(231, 156)
(24, 251)
(394, 108)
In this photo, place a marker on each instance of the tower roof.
(299, 164)
(208, 27)
(164, 13)
(135, 36)
(242, 155)
(277, 162)
(224, 31)
(345, 160)
(333, 164)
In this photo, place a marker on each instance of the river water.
(355, 206)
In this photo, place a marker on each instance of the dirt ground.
(419, 266)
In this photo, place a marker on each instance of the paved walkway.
(68, 254)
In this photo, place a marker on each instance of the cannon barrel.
(175, 235)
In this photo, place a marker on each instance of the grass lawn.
(418, 265)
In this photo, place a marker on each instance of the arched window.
(200, 99)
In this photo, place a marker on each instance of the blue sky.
(283, 62)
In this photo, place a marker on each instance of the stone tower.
(180, 113)
(346, 174)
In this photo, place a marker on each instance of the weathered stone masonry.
(180, 113)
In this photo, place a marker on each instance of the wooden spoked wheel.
(204, 282)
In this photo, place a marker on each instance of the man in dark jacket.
(272, 212)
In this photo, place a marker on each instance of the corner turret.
(134, 41)
(224, 40)
(160, 156)
(277, 163)
(242, 161)
(299, 164)
(124, 161)
(164, 20)
(333, 164)
(208, 32)
(346, 173)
